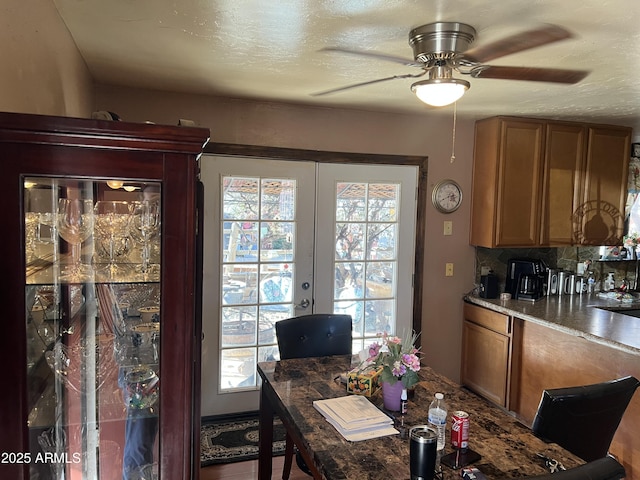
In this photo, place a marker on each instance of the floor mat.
(229, 439)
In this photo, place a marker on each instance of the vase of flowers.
(400, 364)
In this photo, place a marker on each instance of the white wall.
(294, 126)
(42, 70)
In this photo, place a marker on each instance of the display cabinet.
(101, 342)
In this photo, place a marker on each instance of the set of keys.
(551, 463)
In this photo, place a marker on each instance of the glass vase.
(391, 395)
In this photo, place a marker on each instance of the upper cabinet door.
(507, 182)
(599, 219)
(519, 181)
(563, 166)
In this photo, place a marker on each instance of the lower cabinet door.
(485, 362)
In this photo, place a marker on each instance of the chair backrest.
(584, 419)
(606, 468)
(315, 335)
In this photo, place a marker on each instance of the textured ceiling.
(269, 50)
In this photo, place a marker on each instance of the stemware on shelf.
(75, 225)
(112, 228)
(46, 243)
(146, 220)
(30, 230)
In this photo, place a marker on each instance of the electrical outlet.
(485, 270)
(448, 227)
(448, 270)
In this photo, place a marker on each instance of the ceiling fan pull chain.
(453, 136)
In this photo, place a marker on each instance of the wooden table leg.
(265, 442)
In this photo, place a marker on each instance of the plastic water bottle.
(438, 418)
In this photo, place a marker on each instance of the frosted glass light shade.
(115, 184)
(440, 92)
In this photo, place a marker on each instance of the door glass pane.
(365, 257)
(258, 271)
(93, 327)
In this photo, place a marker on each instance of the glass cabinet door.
(93, 324)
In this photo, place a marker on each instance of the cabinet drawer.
(498, 322)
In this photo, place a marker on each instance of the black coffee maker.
(525, 278)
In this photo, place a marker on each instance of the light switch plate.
(448, 227)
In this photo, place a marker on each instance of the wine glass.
(112, 225)
(75, 225)
(146, 220)
(46, 244)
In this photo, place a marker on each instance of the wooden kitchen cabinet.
(507, 172)
(561, 186)
(544, 183)
(101, 338)
(600, 216)
(487, 353)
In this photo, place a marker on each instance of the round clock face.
(447, 196)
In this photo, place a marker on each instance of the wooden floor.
(249, 471)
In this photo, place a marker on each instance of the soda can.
(460, 430)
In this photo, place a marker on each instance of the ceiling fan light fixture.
(439, 92)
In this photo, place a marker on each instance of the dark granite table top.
(508, 448)
(577, 315)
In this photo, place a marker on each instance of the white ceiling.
(269, 50)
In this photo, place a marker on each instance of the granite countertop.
(576, 315)
(508, 448)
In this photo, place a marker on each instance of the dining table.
(507, 447)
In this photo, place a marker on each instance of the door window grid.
(258, 266)
(365, 261)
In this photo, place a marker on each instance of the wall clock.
(447, 196)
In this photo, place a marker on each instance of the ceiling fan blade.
(554, 75)
(378, 56)
(362, 84)
(517, 43)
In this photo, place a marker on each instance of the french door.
(289, 238)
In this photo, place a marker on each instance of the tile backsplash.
(566, 258)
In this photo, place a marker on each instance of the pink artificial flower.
(398, 369)
(395, 340)
(411, 361)
(374, 349)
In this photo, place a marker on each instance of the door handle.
(303, 304)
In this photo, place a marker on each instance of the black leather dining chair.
(584, 419)
(315, 335)
(606, 468)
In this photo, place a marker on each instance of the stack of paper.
(355, 417)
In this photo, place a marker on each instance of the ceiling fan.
(441, 48)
